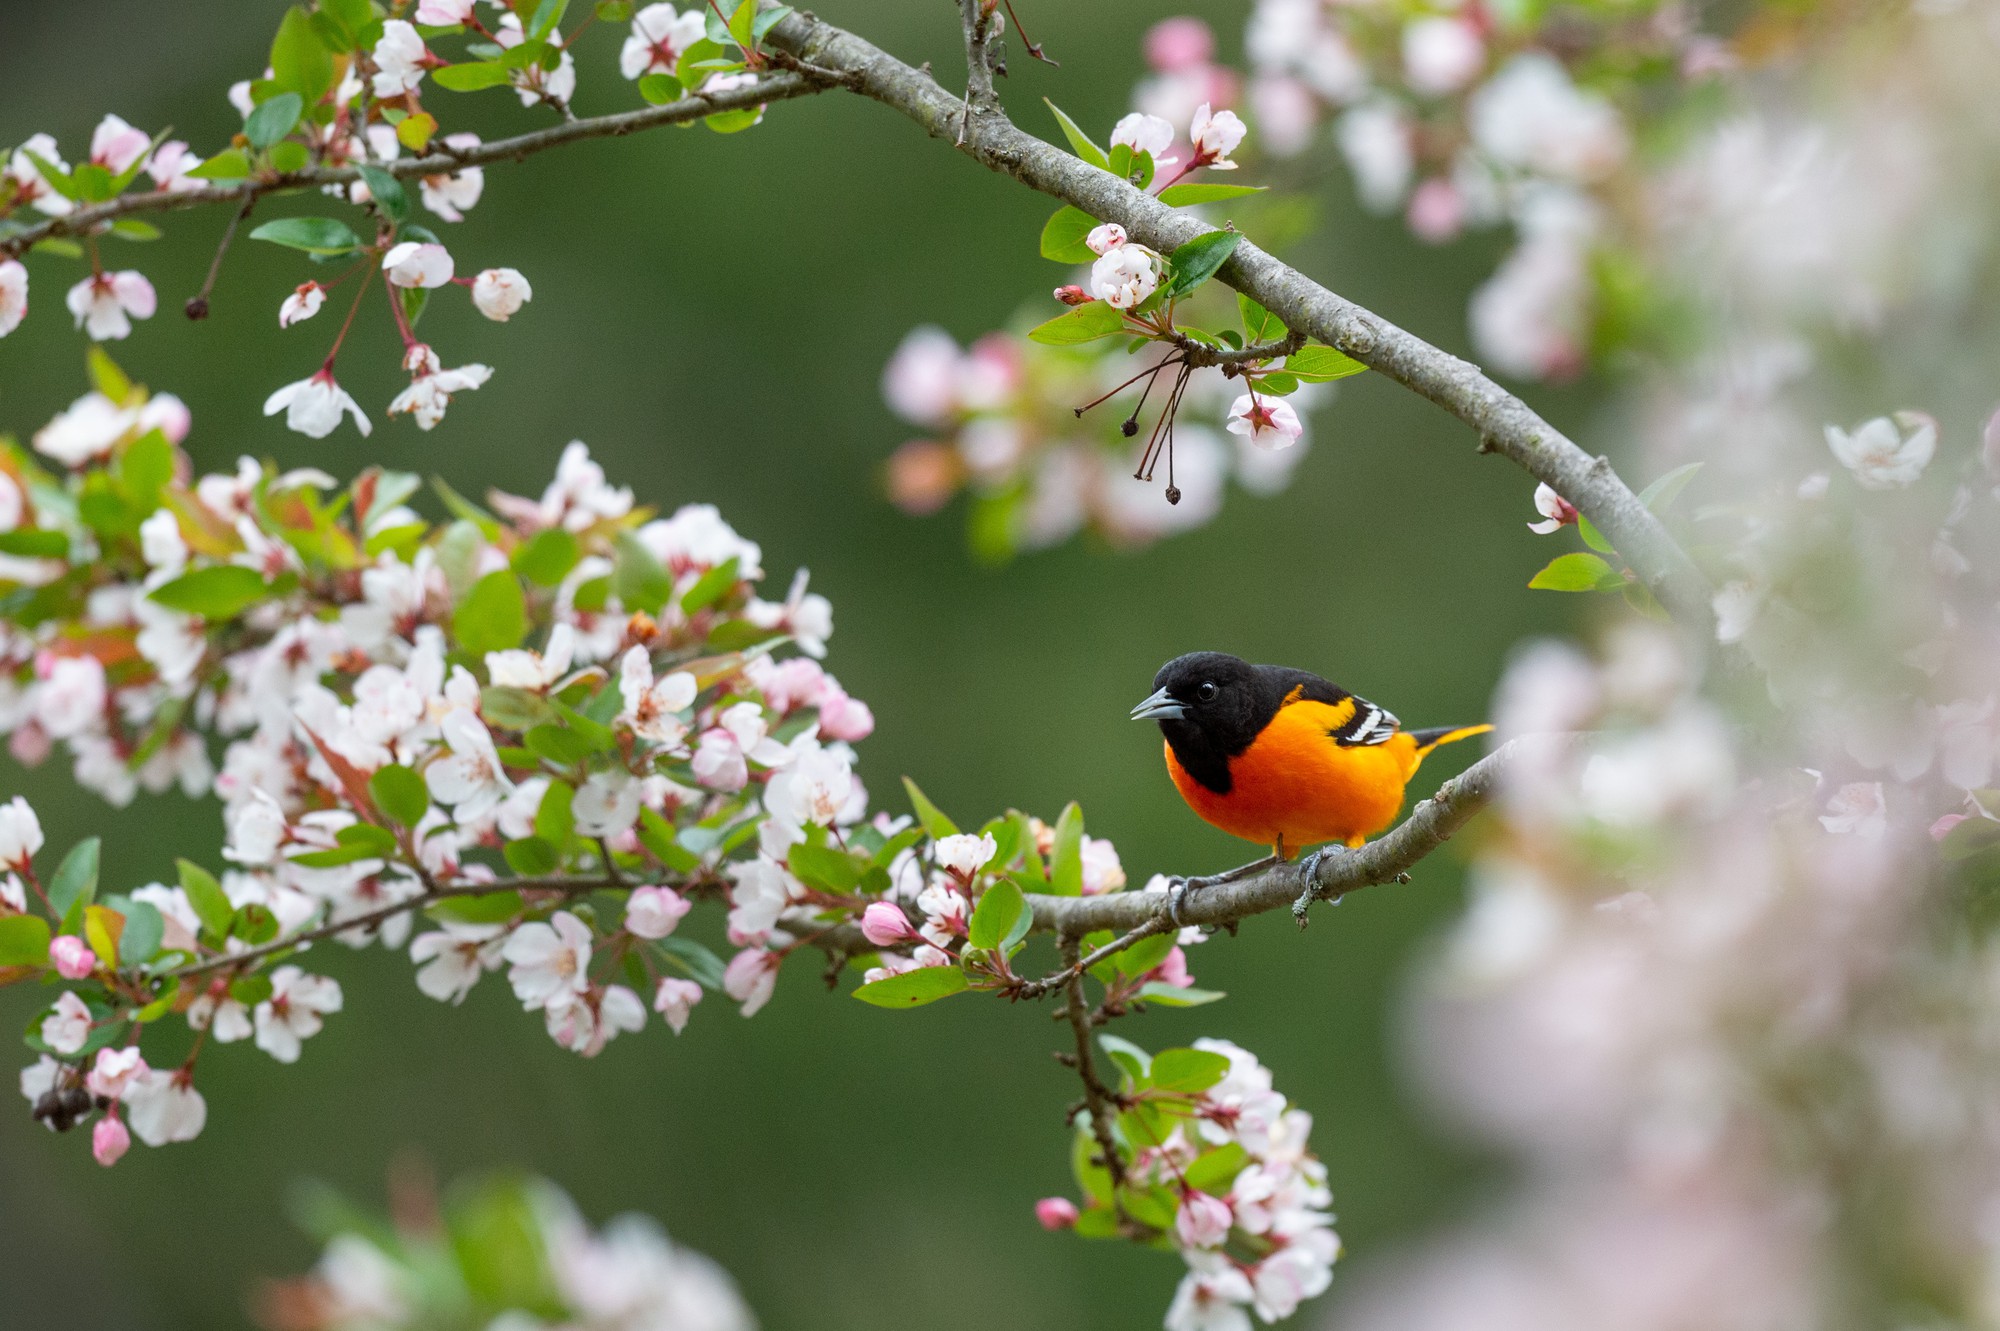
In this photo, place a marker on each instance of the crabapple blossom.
(548, 961)
(1888, 452)
(499, 293)
(653, 707)
(295, 1011)
(313, 406)
(1857, 809)
(963, 854)
(400, 59)
(13, 295)
(1442, 54)
(20, 833)
(1215, 135)
(1104, 238)
(1556, 511)
(885, 925)
(116, 145)
(1268, 422)
(429, 394)
(751, 978)
(471, 778)
(1203, 1220)
(302, 304)
(67, 1027)
(72, 957)
(453, 957)
(653, 912)
(109, 1140)
(87, 429)
(453, 194)
(417, 264)
(1125, 276)
(444, 13)
(30, 185)
(105, 304)
(115, 1072)
(170, 166)
(660, 35)
(165, 1107)
(1143, 133)
(674, 1000)
(1054, 1213)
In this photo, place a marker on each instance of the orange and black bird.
(1282, 757)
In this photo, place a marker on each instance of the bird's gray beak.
(1159, 706)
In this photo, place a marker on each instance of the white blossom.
(313, 406)
(295, 1011)
(106, 304)
(1888, 452)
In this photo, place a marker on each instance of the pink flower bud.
(1055, 1212)
(109, 1140)
(652, 912)
(1203, 1220)
(1073, 295)
(1556, 511)
(72, 957)
(1179, 43)
(1942, 827)
(1173, 970)
(674, 1000)
(885, 925)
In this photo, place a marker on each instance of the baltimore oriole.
(1281, 756)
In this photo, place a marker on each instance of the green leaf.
(637, 578)
(740, 21)
(400, 794)
(250, 990)
(218, 592)
(229, 164)
(75, 882)
(1574, 572)
(563, 747)
(1063, 233)
(659, 89)
(768, 19)
(388, 193)
(274, 118)
(493, 616)
(254, 924)
(1000, 908)
(1079, 140)
(1668, 488)
(555, 816)
(289, 156)
(34, 543)
(929, 816)
(211, 904)
(701, 965)
(826, 867)
(1277, 383)
(1969, 838)
(1213, 1171)
(144, 929)
(530, 856)
(1188, 1071)
(465, 510)
(300, 62)
(1317, 364)
(471, 77)
(1085, 323)
(710, 587)
(546, 558)
(485, 908)
(368, 838)
(1135, 1062)
(497, 1244)
(512, 708)
(1180, 196)
(131, 228)
(914, 988)
(24, 941)
(1199, 260)
(1167, 995)
(1066, 855)
(1259, 324)
(547, 15)
(314, 235)
(1593, 537)
(1145, 954)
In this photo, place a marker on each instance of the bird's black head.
(1210, 706)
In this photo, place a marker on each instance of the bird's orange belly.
(1296, 785)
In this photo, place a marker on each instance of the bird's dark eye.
(1207, 691)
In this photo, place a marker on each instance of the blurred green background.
(712, 315)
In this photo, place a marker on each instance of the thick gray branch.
(1504, 423)
(1429, 826)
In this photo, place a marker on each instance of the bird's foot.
(1308, 873)
(1178, 888)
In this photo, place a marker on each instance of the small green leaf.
(131, 228)
(1145, 954)
(144, 930)
(710, 587)
(229, 164)
(300, 61)
(1188, 1071)
(289, 156)
(1213, 1171)
(637, 578)
(530, 856)
(485, 908)
(659, 89)
(1085, 323)
(740, 21)
(1063, 233)
(34, 543)
(211, 904)
(1199, 260)
(254, 924)
(400, 794)
(274, 118)
(555, 816)
(1079, 140)
(1180, 196)
(1593, 537)
(368, 838)
(701, 965)
(914, 988)
(218, 592)
(1167, 995)
(314, 235)
(1259, 324)
(24, 941)
(1317, 364)
(546, 558)
(471, 77)
(1000, 908)
(512, 708)
(1066, 855)
(1668, 488)
(547, 15)
(1136, 1062)
(76, 878)
(1574, 572)
(929, 816)
(825, 867)
(493, 616)
(563, 747)
(250, 990)
(388, 193)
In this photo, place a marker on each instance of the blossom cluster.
(504, 1254)
(345, 93)
(1210, 1159)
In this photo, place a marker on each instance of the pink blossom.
(674, 1000)
(1441, 55)
(106, 304)
(170, 164)
(109, 1140)
(72, 957)
(115, 145)
(1055, 1212)
(444, 13)
(1179, 43)
(1215, 135)
(751, 977)
(845, 718)
(653, 912)
(1173, 970)
(1556, 511)
(67, 1027)
(1942, 827)
(885, 925)
(1104, 238)
(1437, 211)
(1203, 1220)
(1268, 422)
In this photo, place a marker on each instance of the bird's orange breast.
(1298, 786)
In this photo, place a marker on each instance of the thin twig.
(1096, 1096)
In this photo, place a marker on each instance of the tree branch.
(1505, 424)
(774, 88)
